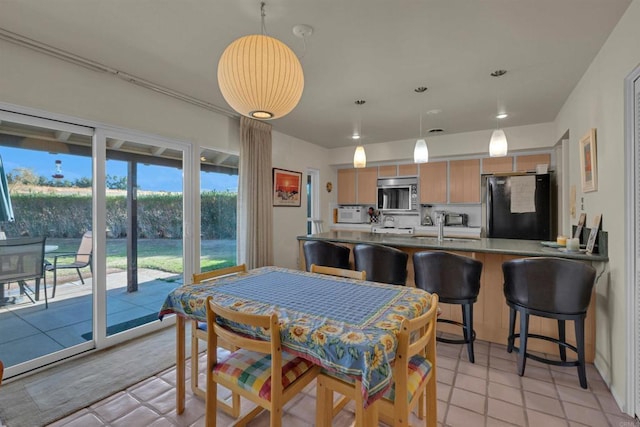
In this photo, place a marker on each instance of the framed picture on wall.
(588, 162)
(286, 187)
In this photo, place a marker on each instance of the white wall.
(521, 138)
(35, 80)
(289, 222)
(598, 102)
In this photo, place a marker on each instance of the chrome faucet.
(440, 220)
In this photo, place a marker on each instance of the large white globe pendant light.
(260, 77)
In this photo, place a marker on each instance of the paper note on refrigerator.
(523, 194)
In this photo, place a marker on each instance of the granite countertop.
(497, 246)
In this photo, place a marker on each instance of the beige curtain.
(255, 214)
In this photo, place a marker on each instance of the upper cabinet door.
(387, 171)
(409, 169)
(346, 186)
(497, 164)
(367, 179)
(529, 163)
(464, 181)
(433, 182)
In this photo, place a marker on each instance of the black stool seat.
(382, 263)
(327, 254)
(554, 288)
(456, 280)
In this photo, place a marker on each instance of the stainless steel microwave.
(398, 194)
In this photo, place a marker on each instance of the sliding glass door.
(144, 228)
(47, 175)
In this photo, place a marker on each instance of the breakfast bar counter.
(491, 314)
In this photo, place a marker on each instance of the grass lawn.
(158, 254)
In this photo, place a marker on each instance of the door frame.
(632, 240)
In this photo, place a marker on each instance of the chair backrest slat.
(209, 275)
(340, 272)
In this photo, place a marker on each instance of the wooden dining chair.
(340, 272)
(199, 332)
(414, 377)
(259, 370)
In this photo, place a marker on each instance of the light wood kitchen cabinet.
(367, 184)
(346, 186)
(497, 164)
(433, 182)
(387, 171)
(464, 181)
(409, 169)
(529, 163)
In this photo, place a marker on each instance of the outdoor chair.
(81, 259)
(414, 378)
(22, 259)
(199, 332)
(259, 370)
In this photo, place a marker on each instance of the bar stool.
(382, 263)
(456, 280)
(555, 288)
(327, 254)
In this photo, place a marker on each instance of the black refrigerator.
(518, 206)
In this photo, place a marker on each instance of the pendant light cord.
(262, 15)
(420, 124)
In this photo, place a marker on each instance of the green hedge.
(159, 215)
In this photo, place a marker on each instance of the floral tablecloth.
(344, 325)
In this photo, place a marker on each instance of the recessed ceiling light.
(435, 111)
(420, 89)
(203, 159)
(502, 116)
(355, 136)
(360, 101)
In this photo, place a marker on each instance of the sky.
(150, 178)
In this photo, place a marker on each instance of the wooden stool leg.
(562, 337)
(524, 331)
(467, 321)
(512, 328)
(582, 372)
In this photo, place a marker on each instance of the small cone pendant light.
(498, 146)
(421, 151)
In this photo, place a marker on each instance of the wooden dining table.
(347, 326)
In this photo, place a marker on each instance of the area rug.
(47, 396)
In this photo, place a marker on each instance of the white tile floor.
(488, 393)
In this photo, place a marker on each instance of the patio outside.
(28, 330)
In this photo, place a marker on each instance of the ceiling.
(375, 50)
